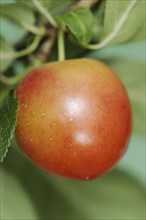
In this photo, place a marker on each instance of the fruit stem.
(26, 51)
(45, 12)
(61, 46)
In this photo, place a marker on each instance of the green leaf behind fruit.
(7, 1)
(5, 48)
(79, 22)
(123, 20)
(21, 14)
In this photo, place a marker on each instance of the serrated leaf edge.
(12, 132)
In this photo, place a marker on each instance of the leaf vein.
(117, 28)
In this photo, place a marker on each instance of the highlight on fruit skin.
(74, 118)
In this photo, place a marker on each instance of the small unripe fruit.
(74, 118)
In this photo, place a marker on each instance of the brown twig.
(47, 45)
(85, 4)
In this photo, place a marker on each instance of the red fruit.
(74, 118)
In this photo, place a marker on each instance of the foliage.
(5, 47)
(122, 21)
(79, 22)
(7, 126)
(29, 38)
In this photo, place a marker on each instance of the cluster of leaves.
(38, 22)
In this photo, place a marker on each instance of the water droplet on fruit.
(68, 142)
(68, 139)
(31, 140)
(70, 119)
(43, 114)
(50, 138)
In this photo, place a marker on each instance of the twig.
(45, 12)
(85, 4)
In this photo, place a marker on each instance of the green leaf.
(57, 7)
(140, 34)
(21, 14)
(98, 18)
(122, 20)
(26, 3)
(8, 117)
(5, 47)
(17, 32)
(79, 22)
(7, 1)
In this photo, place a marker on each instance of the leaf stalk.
(61, 45)
(45, 12)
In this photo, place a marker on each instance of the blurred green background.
(27, 192)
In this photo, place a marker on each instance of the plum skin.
(74, 118)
